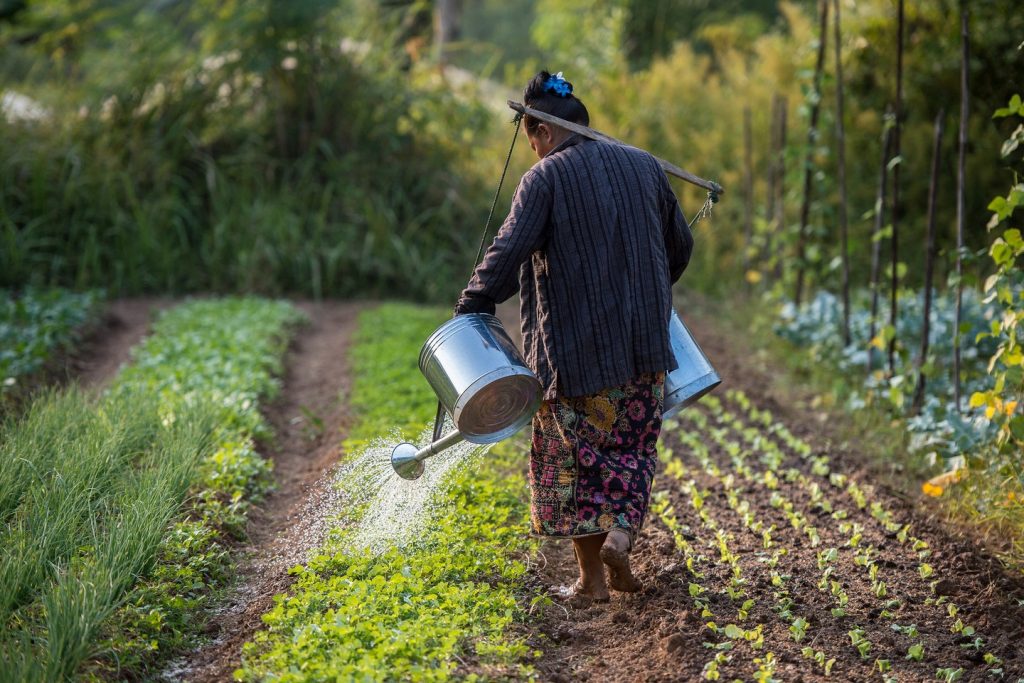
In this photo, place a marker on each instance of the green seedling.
(819, 657)
(949, 675)
(915, 652)
(909, 631)
(859, 640)
(765, 669)
(798, 628)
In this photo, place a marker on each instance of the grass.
(408, 613)
(101, 561)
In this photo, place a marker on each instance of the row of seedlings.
(719, 540)
(918, 549)
(797, 625)
(420, 610)
(764, 440)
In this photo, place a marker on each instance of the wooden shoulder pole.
(586, 132)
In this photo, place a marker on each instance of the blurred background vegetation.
(319, 148)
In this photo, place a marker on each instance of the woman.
(593, 242)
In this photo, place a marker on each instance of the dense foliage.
(240, 147)
(939, 427)
(92, 491)
(984, 437)
(413, 612)
(37, 323)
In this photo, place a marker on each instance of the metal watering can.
(483, 383)
(694, 377)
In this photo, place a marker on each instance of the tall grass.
(227, 160)
(59, 504)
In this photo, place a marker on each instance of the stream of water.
(396, 511)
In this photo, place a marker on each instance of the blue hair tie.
(558, 85)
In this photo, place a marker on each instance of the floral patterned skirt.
(593, 459)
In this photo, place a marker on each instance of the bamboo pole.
(895, 251)
(841, 145)
(961, 193)
(748, 191)
(592, 134)
(773, 135)
(780, 204)
(929, 263)
(876, 232)
(812, 137)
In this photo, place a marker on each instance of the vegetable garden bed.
(427, 610)
(92, 495)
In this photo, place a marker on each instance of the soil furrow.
(658, 635)
(96, 360)
(309, 418)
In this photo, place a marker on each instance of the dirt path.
(659, 634)
(308, 418)
(105, 349)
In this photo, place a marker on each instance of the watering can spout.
(408, 460)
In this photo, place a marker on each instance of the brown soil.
(658, 635)
(106, 347)
(308, 418)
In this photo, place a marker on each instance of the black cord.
(490, 214)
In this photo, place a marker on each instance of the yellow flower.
(753, 277)
(937, 484)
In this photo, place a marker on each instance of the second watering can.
(694, 377)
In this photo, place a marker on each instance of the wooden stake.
(773, 136)
(748, 191)
(841, 144)
(876, 230)
(895, 251)
(780, 204)
(961, 194)
(812, 138)
(929, 262)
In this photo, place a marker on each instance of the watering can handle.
(438, 422)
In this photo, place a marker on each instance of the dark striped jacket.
(597, 239)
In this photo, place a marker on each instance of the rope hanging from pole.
(490, 214)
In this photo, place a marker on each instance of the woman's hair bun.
(558, 85)
(552, 94)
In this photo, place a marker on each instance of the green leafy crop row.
(35, 324)
(405, 613)
(92, 490)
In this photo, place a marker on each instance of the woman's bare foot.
(615, 555)
(579, 596)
